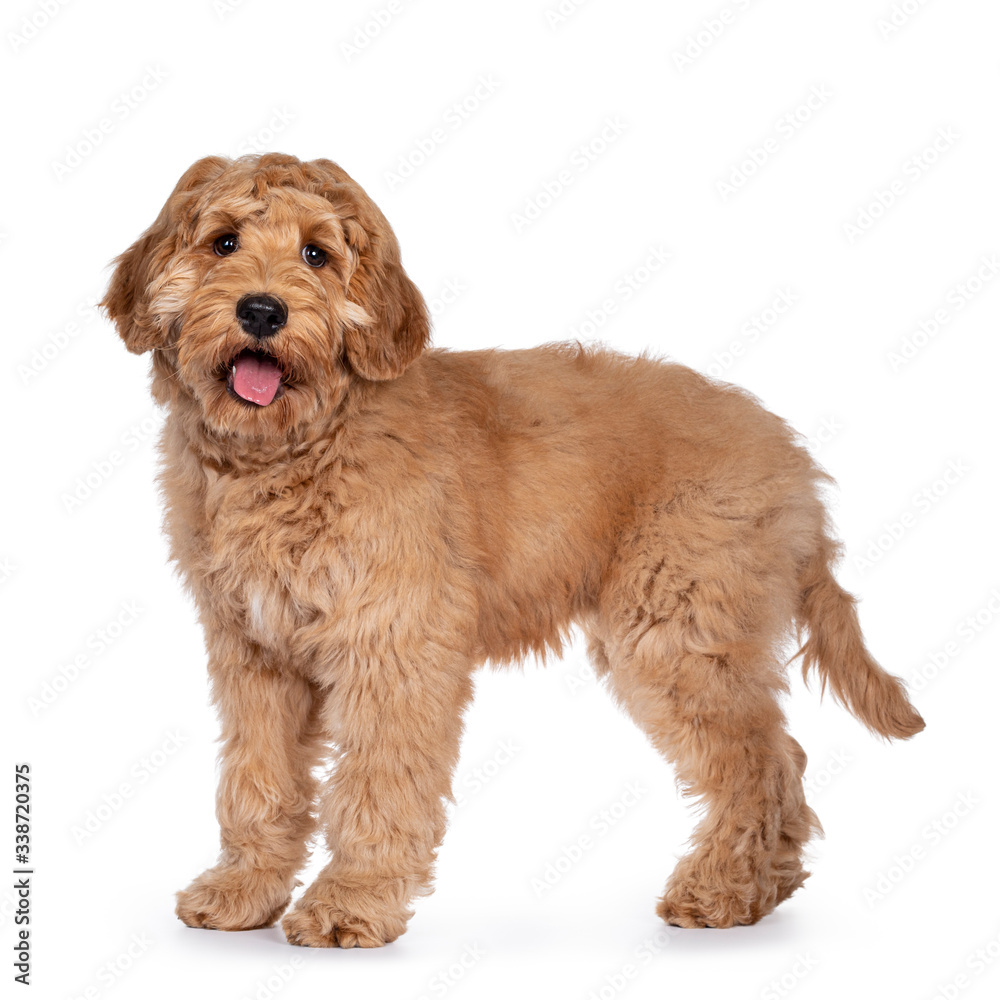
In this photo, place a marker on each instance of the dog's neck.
(242, 456)
(300, 451)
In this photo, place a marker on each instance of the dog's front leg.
(271, 739)
(397, 727)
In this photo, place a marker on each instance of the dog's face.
(264, 286)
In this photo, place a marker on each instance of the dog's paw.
(233, 899)
(682, 910)
(694, 901)
(316, 923)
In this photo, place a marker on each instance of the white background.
(906, 881)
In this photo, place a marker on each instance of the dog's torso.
(482, 494)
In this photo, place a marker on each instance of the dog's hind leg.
(716, 717)
(271, 740)
(690, 646)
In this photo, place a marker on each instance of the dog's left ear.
(391, 327)
(127, 300)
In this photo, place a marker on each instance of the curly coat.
(397, 515)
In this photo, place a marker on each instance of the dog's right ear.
(127, 300)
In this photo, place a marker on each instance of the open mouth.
(255, 377)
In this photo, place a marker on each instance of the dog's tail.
(836, 649)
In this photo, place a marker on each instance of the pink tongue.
(256, 378)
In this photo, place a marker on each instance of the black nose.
(261, 315)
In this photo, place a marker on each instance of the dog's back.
(580, 468)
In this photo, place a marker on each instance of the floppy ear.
(394, 327)
(127, 300)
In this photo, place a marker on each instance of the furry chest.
(279, 577)
(270, 614)
(288, 613)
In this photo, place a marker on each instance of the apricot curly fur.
(399, 514)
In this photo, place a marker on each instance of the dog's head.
(263, 287)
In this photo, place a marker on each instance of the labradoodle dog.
(362, 521)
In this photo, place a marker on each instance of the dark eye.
(313, 256)
(225, 245)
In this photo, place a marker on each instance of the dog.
(363, 520)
